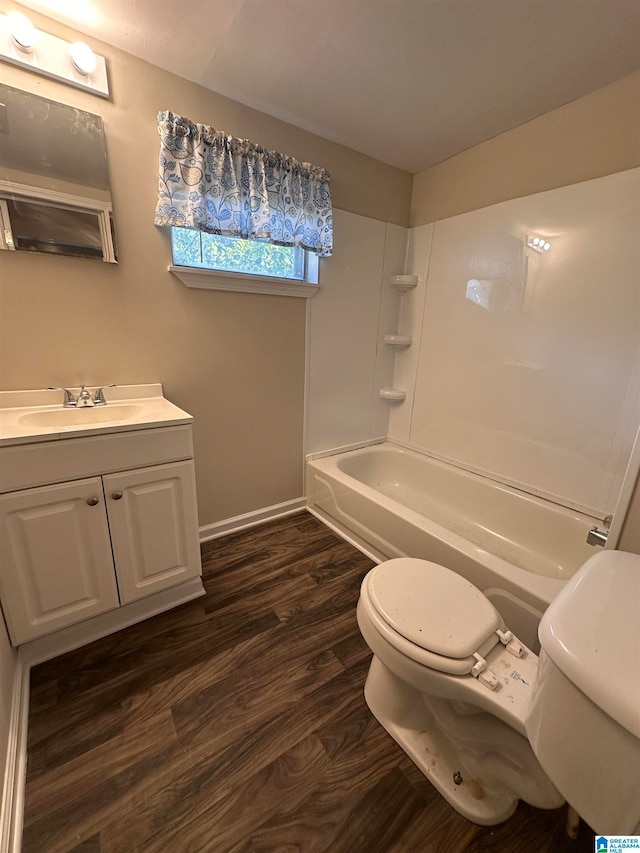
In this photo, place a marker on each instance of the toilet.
(488, 721)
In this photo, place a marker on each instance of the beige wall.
(594, 136)
(234, 361)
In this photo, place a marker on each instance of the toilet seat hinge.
(512, 643)
(486, 676)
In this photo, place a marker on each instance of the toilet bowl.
(486, 720)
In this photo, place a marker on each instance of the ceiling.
(409, 82)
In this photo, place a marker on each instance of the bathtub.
(518, 549)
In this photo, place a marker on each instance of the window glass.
(234, 254)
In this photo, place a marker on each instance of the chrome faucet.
(69, 401)
(84, 397)
(599, 537)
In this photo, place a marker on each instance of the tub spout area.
(597, 537)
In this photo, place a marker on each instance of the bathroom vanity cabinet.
(96, 523)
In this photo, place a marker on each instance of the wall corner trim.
(12, 806)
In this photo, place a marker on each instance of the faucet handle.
(98, 397)
(69, 400)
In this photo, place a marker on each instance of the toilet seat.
(433, 607)
(435, 617)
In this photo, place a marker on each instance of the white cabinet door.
(57, 567)
(154, 529)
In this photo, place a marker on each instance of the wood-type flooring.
(237, 722)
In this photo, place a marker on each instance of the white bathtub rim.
(596, 514)
(537, 557)
(540, 588)
(390, 448)
(332, 467)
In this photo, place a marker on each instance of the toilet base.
(480, 765)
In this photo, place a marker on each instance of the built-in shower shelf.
(393, 394)
(398, 340)
(403, 282)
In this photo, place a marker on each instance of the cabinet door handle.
(117, 496)
(93, 501)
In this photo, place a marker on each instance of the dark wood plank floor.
(237, 723)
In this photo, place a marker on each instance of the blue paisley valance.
(223, 185)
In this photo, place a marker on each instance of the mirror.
(54, 182)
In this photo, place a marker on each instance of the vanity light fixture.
(23, 45)
(23, 34)
(83, 58)
(538, 244)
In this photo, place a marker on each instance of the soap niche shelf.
(398, 340)
(396, 395)
(403, 284)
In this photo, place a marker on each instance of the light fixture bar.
(52, 57)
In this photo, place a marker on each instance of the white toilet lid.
(432, 607)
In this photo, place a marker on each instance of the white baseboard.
(12, 806)
(251, 519)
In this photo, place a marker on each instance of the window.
(254, 263)
(233, 254)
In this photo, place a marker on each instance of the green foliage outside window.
(193, 248)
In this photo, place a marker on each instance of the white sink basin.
(30, 416)
(85, 415)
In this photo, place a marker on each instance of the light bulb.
(546, 246)
(536, 240)
(23, 33)
(83, 58)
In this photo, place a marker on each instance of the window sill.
(215, 280)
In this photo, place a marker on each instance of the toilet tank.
(584, 723)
